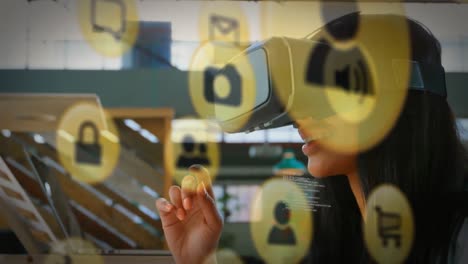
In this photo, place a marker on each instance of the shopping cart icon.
(389, 226)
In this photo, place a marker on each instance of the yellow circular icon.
(222, 85)
(389, 225)
(109, 26)
(356, 87)
(223, 22)
(227, 256)
(276, 19)
(73, 251)
(281, 225)
(88, 143)
(353, 107)
(195, 142)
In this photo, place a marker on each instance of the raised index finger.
(189, 189)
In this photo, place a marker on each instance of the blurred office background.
(43, 51)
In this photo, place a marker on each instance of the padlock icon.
(88, 153)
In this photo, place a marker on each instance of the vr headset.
(278, 68)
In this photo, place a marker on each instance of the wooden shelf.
(41, 113)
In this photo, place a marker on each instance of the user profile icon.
(193, 153)
(281, 227)
(282, 233)
(195, 143)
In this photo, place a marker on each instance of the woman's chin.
(316, 169)
(325, 164)
(318, 175)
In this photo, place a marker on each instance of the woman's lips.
(310, 148)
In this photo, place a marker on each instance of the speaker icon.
(343, 69)
(354, 78)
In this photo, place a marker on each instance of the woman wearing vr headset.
(422, 155)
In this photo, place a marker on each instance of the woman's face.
(323, 162)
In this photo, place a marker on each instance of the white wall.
(46, 34)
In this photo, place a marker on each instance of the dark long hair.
(423, 156)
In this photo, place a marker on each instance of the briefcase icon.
(224, 29)
(88, 152)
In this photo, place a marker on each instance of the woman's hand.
(191, 223)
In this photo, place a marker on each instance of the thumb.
(208, 207)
